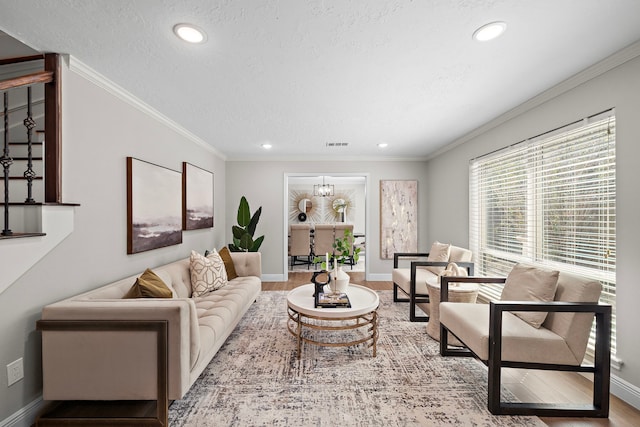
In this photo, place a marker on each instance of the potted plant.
(342, 247)
(243, 240)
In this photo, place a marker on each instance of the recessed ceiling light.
(489, 31)
(383, 145)
(266, 146)
(190, 33)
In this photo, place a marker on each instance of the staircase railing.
(50, 78)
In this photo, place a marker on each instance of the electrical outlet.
(15, 371)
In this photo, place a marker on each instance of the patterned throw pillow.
(207, 273)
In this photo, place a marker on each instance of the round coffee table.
(303, 315)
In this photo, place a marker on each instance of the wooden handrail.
(29, 79)
(19, 59)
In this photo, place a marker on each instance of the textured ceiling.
(301, 74)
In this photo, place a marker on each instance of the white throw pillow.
(530, 284)
(207, 273)
(439, 253)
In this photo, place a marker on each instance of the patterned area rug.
(256, 379)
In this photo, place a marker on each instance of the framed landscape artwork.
(154, 214)
(197, 197)
(398, 217)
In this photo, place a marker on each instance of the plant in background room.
(341, 251)
(243, 240)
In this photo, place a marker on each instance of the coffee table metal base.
(298, 322)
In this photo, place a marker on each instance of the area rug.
(256, 379)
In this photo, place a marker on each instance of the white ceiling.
(300, 74)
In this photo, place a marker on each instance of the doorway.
(326, 198)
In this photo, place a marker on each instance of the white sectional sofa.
(121, 365)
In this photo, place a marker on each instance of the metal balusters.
(29, 174)
(6, 161)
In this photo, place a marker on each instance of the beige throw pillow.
(439, 253)
(531, 284)
(207, 273)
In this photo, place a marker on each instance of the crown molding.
(101, 81)
(615, 60)
(336, 158)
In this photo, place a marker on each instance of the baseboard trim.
(26, 416)
(625, 391)
(272, 278)
(379, 277)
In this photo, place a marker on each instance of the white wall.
(99, 132)
(263, 185)
(619, 88)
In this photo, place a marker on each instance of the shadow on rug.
(256, 379)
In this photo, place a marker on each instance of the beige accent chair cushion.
(458, 254)
(439, 252)
(530, 284)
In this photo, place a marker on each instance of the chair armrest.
(602, 314)
(445, 280)
(398, 255)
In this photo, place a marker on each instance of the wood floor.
(526, 385)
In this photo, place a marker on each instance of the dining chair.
(300, 249)
(323, 239)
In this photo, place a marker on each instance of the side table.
(462, 292)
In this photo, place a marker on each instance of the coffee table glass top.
(363, 301)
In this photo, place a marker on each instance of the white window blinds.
(550, 201)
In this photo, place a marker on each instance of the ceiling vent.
(337, 144)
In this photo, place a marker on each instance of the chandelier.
(323, 190)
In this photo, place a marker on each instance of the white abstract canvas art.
(398, 217)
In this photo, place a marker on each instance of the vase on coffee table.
(339, 280)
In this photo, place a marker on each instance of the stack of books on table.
(330, 300)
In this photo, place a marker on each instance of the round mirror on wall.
(305, 206)
(339, 205)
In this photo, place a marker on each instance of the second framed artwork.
(197, 197)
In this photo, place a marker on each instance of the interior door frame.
(367, 213)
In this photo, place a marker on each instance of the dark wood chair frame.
(58, 414)
(413, 297)
(300, 259)
(601, 368)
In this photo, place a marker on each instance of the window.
(549, 201)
